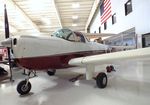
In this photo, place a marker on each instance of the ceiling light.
(74, 25)
(75, 5)
(46, 20)
(75, 17)
(38, 5)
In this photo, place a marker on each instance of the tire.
(101, 80)
(21, 89)
(51, 72)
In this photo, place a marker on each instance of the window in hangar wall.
(128, 7)
(105, 25)
(146, 40)
(114, 18)
(99, 29)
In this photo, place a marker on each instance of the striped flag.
(105, 9)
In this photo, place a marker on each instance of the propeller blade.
(7, 36)
(6, 22)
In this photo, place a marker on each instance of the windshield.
(63, 33)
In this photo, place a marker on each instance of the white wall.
(96, 23)
(138, 18)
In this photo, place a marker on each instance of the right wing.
(109, 58)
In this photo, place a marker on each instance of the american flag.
(105, 9)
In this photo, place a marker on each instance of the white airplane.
(65, 48)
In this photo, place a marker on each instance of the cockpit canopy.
(69, 35)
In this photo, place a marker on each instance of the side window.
(71, 37)
(79, 37)
(82, 38)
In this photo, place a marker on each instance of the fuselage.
(46, 52)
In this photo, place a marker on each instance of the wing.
(109, 58)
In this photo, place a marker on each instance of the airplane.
(51, 52)
(64, 49)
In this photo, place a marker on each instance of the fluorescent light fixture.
(74, 25)
(75, 5)
(75, 17)
(36, 5)
(46, 20)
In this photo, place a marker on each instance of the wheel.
(101, 80)
(51, 72)
(22, 88)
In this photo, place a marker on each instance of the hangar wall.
(138, 18)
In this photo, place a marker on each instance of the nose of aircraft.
(6, 42)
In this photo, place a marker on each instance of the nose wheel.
(24, 87)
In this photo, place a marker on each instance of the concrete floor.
(130, 85)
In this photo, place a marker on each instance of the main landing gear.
(51, 72)
(101, 78)
(24, 86)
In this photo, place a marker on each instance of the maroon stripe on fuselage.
(58, 61)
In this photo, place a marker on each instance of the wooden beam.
(57, 13)
(22, 13)
(93, 10)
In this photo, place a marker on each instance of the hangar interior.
(110, 22)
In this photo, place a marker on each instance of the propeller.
(7, 36)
